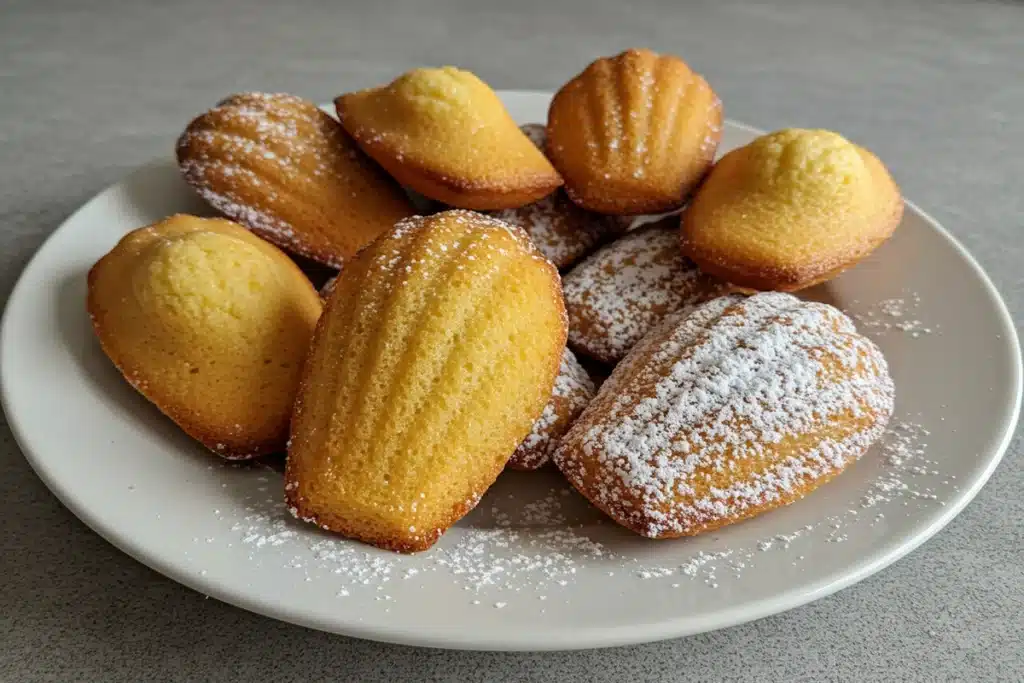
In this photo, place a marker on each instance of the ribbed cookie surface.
(438, 350)
(738, 407)
(285, 169)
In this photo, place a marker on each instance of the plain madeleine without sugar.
(282, 167)
(789, 210)
(445, 134)
(437, 351)
(739, 406)
(211, 324)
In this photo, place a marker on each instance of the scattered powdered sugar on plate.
(905, 474)
(536, 548)
(533, 546)
(893, 314)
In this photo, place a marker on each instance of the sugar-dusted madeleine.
(562, 231)
(279, 165)
(789, 210)
(621, 291)
(445, 134)
(634, 133)
(572, 392)
(437, 351)
(211, 324)
(737, 407)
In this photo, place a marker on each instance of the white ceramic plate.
(533, 567)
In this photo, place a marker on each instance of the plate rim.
(577, 638)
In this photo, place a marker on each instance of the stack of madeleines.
(453, 345)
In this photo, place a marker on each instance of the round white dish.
(533, 567)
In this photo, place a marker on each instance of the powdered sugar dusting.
(894, 314)
(202, 174)
(904, 473)
(454, 222)
(535, 547)
(619, 293)
(572, 392)
(251, 155)
(562, 231)
(714, 392)
(531, 546)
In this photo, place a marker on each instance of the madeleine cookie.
(211, 324)
(281, 166)
(620, 292)
(741, 406)
(446, 134)
(634, 133)
(572, 392)
(790, 210)
(438, 350)
(562, 231)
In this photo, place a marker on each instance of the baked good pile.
(530, 319)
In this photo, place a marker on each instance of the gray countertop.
(90, 90)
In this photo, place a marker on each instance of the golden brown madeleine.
(279, 165)
(626, 288)
(634, 133)
(446, 134)
(572, 392)
(741, 406)
(211, 324)
(438, 350)
(563, 232)
(789, 210)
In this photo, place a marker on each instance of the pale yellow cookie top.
(447, 121)
(794, 205)
(210, 323)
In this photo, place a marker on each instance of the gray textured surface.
(87, 92)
